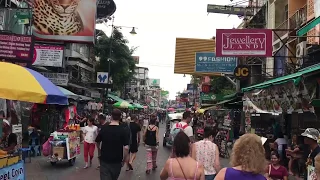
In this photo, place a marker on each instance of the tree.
(222, 85)
(122, 65)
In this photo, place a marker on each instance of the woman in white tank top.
(207, 153)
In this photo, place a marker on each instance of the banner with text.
(48, 55)
(13, 172)
(60, 79)
(16, 47)
(209, 63)
(244, 42)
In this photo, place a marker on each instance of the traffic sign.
(102, 77)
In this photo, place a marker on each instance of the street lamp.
(113, 27)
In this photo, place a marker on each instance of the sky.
(159, 23)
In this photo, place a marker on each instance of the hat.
(311, 133)
(6, 122)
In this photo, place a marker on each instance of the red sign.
(16, 47)
(205, 88)
(244, 42)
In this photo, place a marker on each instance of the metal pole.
(106, 91)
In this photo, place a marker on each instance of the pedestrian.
(247, 160)
(184, 125)
(151, 140)
(114, 147)
(183, 166)
(207, 153)
(90, 133)
(311, 136)
(275, 170)
(145, 123)
(102, 122)
(135, 140)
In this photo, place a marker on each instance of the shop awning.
(137, 105)
(85, 98)
(295, 77)
(115, 98)
(315, 102)
(69, 94)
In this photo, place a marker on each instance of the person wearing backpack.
(183, 126)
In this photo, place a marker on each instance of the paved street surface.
(41, 169)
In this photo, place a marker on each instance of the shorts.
(133, 148)
(109, 171)
(209, 177)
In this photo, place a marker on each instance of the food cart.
(65, 145)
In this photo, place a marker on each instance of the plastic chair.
(26, 154)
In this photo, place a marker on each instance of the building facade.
(136, 90)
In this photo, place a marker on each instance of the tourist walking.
(114, 147)
(90, 133)
(102, 122)
(183, 166)
(247, 160)
(207, 153)
(135, 140)
(275, 170)
(151, 140)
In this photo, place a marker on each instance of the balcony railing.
(280, 33)
(298, 18)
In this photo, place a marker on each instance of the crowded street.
(41, 169)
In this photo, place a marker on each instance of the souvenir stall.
(22, 84)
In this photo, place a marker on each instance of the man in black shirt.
(102, 122)
(135, 140)
(114, 147)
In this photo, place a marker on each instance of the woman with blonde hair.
(317, 166)
(247, 160)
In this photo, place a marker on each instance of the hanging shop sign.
(105, 8)
(48, 55)
(60, 79)
(208, 62)
(242, 72)
(208, 97)
(16, 47)
(222, 9)
(244, 42)
(154, 82)
(102, 77)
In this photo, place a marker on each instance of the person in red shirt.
(275, 171)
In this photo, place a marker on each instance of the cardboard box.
(59, 150)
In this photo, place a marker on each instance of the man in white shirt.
(184, 124)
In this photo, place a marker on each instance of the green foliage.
(123, 65)
(222, 85)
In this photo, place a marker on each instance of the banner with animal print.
(64, 20)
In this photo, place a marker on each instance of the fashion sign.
(244, 42)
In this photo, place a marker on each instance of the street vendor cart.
(65, 145)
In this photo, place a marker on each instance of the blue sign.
(13, 172)
(207, 62)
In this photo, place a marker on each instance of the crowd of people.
(117, 138)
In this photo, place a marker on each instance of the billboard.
(154, 82)
(105, 8)
(16, 47)
(185, 53)
(48, 55)
(208, 62)
(240, 11)
(244, 42)
(64, 21)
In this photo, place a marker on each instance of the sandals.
(130, 167)
(154, 168)
(148, 171)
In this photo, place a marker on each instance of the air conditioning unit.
(301, 49)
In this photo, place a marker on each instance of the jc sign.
(241, 72)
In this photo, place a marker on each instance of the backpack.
(178, 128)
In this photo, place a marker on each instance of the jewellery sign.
(244, 42)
